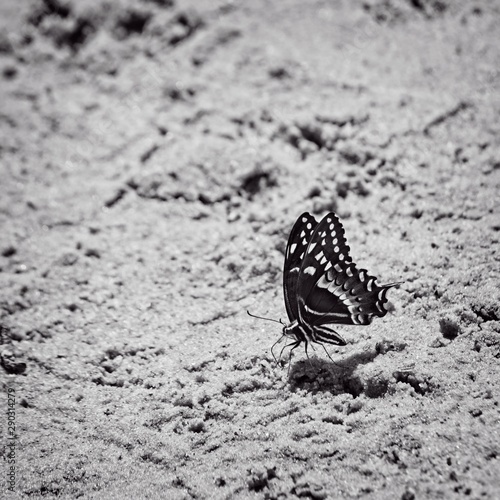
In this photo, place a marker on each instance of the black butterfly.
(322, 285)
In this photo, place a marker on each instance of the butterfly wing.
(295, 250)
(330, 288)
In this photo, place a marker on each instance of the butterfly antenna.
(390, 285)
(267, 319)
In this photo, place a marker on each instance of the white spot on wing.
(331, 313)
(380, 301)
(293, 247)
(311, 246)
(310, 270)
(323, 283)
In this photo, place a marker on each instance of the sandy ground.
(154, 157)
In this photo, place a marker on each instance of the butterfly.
(323, 287)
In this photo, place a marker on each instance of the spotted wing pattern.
(330, 289)
(295, 250)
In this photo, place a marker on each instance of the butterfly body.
(322, 286)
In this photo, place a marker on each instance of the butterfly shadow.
(316, 374)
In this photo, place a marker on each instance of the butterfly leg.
(294, 346)
(277, 342)
(327, 353)
(307, 354)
